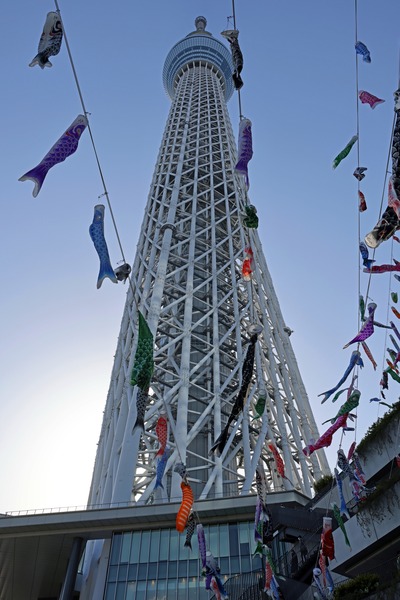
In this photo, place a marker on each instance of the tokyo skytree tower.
(188, 284)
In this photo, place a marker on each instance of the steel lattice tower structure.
(187, 282)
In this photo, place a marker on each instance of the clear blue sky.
(58, 332)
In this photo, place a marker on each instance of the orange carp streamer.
(185, 507)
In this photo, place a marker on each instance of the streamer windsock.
(201, 538)
(367, 329)
(326, 438)
(354, 360)
(347, 407)
(161, 465)
(245, 149)
(344, 152)
(190, 527)
(278, 460)
(389, 222)
(144, 364)
(141, 403)
(162, 434)
(251, 218)
(96, 231)
(384, 268)
(259, 406)
(339, 482)
(247, 372)
(367, 98)
(185, 507)
(64, 147)
(327, 543)
(337, 515)
(50, 41)
(232, 36)
(362, 49)
(367, 262)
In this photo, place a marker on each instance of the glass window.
(233, 540)
(246, 564)
(194, 568)
(243, 533)
(144, 548)
(172, 570)
(224, 565)
(223, 540)
(142, 572)
(122, 572)
(164, 544)
(152, 570)
(135, 547)
(244, 549)
(154, 545)
(235, 567)
(151, 590)
(126, 547)
(162, 569)
(141, 590)
(182, 568)
(173, 545)
(120, 595)
(213, 540)
(171, 587)
(110, 592)
(116, 547)
(132, 572)
(131, 590)
(112, 573)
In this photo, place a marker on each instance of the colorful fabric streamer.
(339, 483)
(185, 507)
(336, 514)
(278, 460)
(257, 521)
(180, 468)
(316, 576)
(390, 221)
(64, 147)
(251, 219)
(362, 203)
(384, 268)
(367, 262)
(201, 538)
(367, 329)
(395, 312)
(96, 231)
(326, 439)
(162, 434)
(367, 98)
(247, 372)
(344, 152)
(245, 149)
(161, 465)
(190, 527)
(359, 173)
(141, 403)
(247, 267)
(259, 406)
(354, 360)
(50, 41)
(327, 543)
(261, 486)
(351, 451)
(363, 51)
(144, 365)
(347, 407)
(369, 354)
(232, 36)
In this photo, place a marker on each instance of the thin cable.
(90, 133)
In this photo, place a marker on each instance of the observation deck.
(198, 47)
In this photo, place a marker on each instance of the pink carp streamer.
(367, 98)
(384, 268)
(369, 354)
(326, 438)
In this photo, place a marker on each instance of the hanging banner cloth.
(144, 365)
(363, 51)
(367, 329)
(354, 360)
(247, 372)
(96, 231)
(232, 36)
(50, 41)
(245, 149)
(390, 220)
(326, 438)
(344, 152)
(185, 507)
(367, 98)
(64, 147)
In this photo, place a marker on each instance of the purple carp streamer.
(367, 329)
(245, 149)
(367, 98)
(389, 223)
(201, 538)
(247, 372)
(64, 147)
(363, 51)
(354, 360)
(344, 152)
(50, 41)
(326, 438)
(96, 231)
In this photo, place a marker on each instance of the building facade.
(187, 282)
